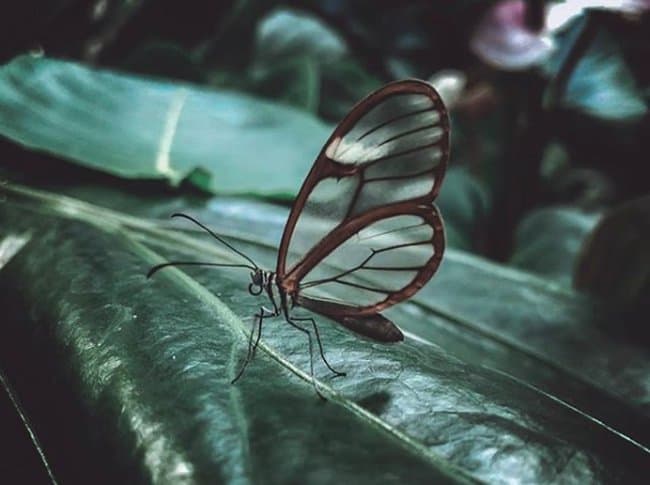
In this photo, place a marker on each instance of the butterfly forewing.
(363, 233)
(391, 148)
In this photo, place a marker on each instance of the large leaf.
(285, 33)
(537, 330)
(143, 128)
(601, 83)
(548, 241)
(307, 65)
(614, 264)
(148, 363)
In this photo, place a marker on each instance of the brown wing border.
(326, 167)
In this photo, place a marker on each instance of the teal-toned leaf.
(285, 33)
(538, 330)
(290, 50)
(344, 84)
(148, 364)
(601, 84)
(142, 128)
(501, 376)
(300, 60)
(295, 81)
(614, 262)
(548, 241)
(465, 204)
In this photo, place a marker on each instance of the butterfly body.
(371, 325)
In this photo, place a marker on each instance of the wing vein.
(392, 231)
(406, 133)
(394, 268)
(401, 177)
(363, 287)
(399, 154)
(394, 119)
(403, 245)
(340, 275)
(355, 197)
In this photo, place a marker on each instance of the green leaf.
(614, 262)
(302, 61)
(532, 328)
(344, 82)
(151, 364)
(601, 83)
(147, 129)
(548, 241)
(286, 33)
(148, 363)
(295, 81)
(465, 203)
(291, 48)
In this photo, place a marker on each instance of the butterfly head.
(258, 279)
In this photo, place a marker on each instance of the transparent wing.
(376, 264)
(391, 151)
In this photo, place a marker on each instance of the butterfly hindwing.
(376, 263)
(374, 326)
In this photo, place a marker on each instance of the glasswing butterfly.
(371, 189)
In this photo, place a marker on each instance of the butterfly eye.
(257, 284)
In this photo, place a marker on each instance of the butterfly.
(363, 233)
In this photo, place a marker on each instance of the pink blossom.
(503, 40)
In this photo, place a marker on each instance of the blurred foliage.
(145, 108)
(625, 278)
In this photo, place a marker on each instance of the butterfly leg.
(253, 346)
(311, 354)
(265, 314)
(320, 344)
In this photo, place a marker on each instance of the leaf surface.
(150, 363)
(140, 128)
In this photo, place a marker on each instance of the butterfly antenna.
(218, 238)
